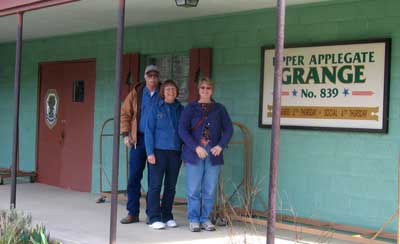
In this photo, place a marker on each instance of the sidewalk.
(74, 217)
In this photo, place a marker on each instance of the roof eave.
(26, 5)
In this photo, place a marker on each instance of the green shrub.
(38, 235)
(16, 228)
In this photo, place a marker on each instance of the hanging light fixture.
(187, 3)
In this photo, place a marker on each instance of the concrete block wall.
(344, 177)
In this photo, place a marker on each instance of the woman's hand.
(216, 151)
(201, 152)
(151, 159)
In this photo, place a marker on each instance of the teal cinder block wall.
(344, 177)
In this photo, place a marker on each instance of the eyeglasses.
(170, 89)
(152, 75)
(206, 87)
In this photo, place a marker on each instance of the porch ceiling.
(91, 15)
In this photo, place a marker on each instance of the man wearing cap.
(134, 113)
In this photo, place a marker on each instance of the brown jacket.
(130, 112)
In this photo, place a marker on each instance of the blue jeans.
(137, 163)
(201, 183)
(168, 164)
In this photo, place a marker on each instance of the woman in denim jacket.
(205, 128)
(163, 148)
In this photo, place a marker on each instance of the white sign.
(335, 86)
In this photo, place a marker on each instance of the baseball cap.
(150, 68)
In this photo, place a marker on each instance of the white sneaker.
(194, 227)
(208, 226)
(171, 223)
(157, 225)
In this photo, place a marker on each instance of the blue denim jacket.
(147, 102)
(162, 129)
(219, 124)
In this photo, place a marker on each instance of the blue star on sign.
(294, 92)
(346, 92)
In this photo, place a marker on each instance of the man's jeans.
(201, 182)
(137, 163)
(168, 164)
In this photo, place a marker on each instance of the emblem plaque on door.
(51, 108)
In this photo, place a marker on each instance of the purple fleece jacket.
(220, 126)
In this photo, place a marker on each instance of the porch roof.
(89, 15)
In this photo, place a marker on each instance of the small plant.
(16, 228)
(38, 235)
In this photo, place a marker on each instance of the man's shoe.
(194, 227)
(130, 219)
(157, 225)
(171, 223)
(208, 226)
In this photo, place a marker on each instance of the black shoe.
(130, 219)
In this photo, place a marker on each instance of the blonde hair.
(205, 80)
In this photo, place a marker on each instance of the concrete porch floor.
(74, 217)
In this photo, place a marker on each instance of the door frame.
(39, 87)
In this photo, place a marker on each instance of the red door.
(65, 136)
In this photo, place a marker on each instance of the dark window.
(173, 66)
(78, 95)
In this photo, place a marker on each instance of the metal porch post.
(117, 112)
(276, 120)
(17, 85)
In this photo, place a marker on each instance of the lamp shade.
(186, 3)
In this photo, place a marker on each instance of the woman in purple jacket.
(205, 128)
